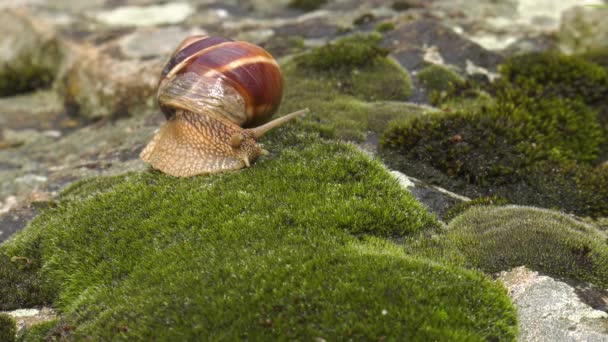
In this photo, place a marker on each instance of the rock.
(170, 13)
(428, 41)
(25, 318)
(154, 42)
(437, 200)
(584, 29)
(103, 83)
(551, 310)
(29, 53)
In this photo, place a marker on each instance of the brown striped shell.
(236, 79)
(209, 90)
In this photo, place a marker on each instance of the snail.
(210, 91)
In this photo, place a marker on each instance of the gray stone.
(437, 200)
(170, 13)
(28, 49)
(428, 41)
(101, 83)
(551, 310)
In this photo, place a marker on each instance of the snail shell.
(210, 89)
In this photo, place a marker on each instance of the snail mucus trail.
(210, 91)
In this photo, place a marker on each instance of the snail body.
(211, 90)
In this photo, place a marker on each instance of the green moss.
(403, 5)
(461, 207)
(277, 251)
(8, 328)
(364, 19)
(355, 51)
(502, 148)
(438, 78)
(30, 71)
(39, 332)
(499, 238)
(21, 78)
(385, 27)
(338, 98)
(307, 5)
(443, 84)
(552, 74)
(499, 142)
(597, 56)
(20, 285)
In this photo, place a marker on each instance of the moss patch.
(500, 238)
(307, 5)
(552, 74)
(277, 251)
(8, 328)
(508, 146)
(502, 142)
(337, 82)
(439, 78)
(40, 332)
(461, 207)
(26, 75)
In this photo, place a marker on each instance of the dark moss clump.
(351, 52)
(551, 74)
(597, 56)
(17, 79)
(499, 238)
(20, 285)
(307, 5)
(461, 207)
(364, 19)
(41, 332)
(282, 250)
(441, 83)
(385, 27)
(8, 328)
(506, 149)
(502, 142)
(403, 5)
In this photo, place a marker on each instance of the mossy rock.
(40, 332)
(552, 74)
(385, 27)
(356, 51)
(307, 5)
(30, 71)
(438, 78)
(293, 248)
(8, 328)
(499, 238)
(348, 95)
(461, 207)
(507, 148)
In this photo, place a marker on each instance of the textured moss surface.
(30, 73)
(278, 251)
(461, 207)
(439, 78)
(41, 332)
(499, 238)
(537, 142)
(8, 329)
(348, 85)
(551, 74)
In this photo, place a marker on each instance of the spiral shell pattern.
(234, 79)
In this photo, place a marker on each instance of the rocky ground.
(77, 101)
